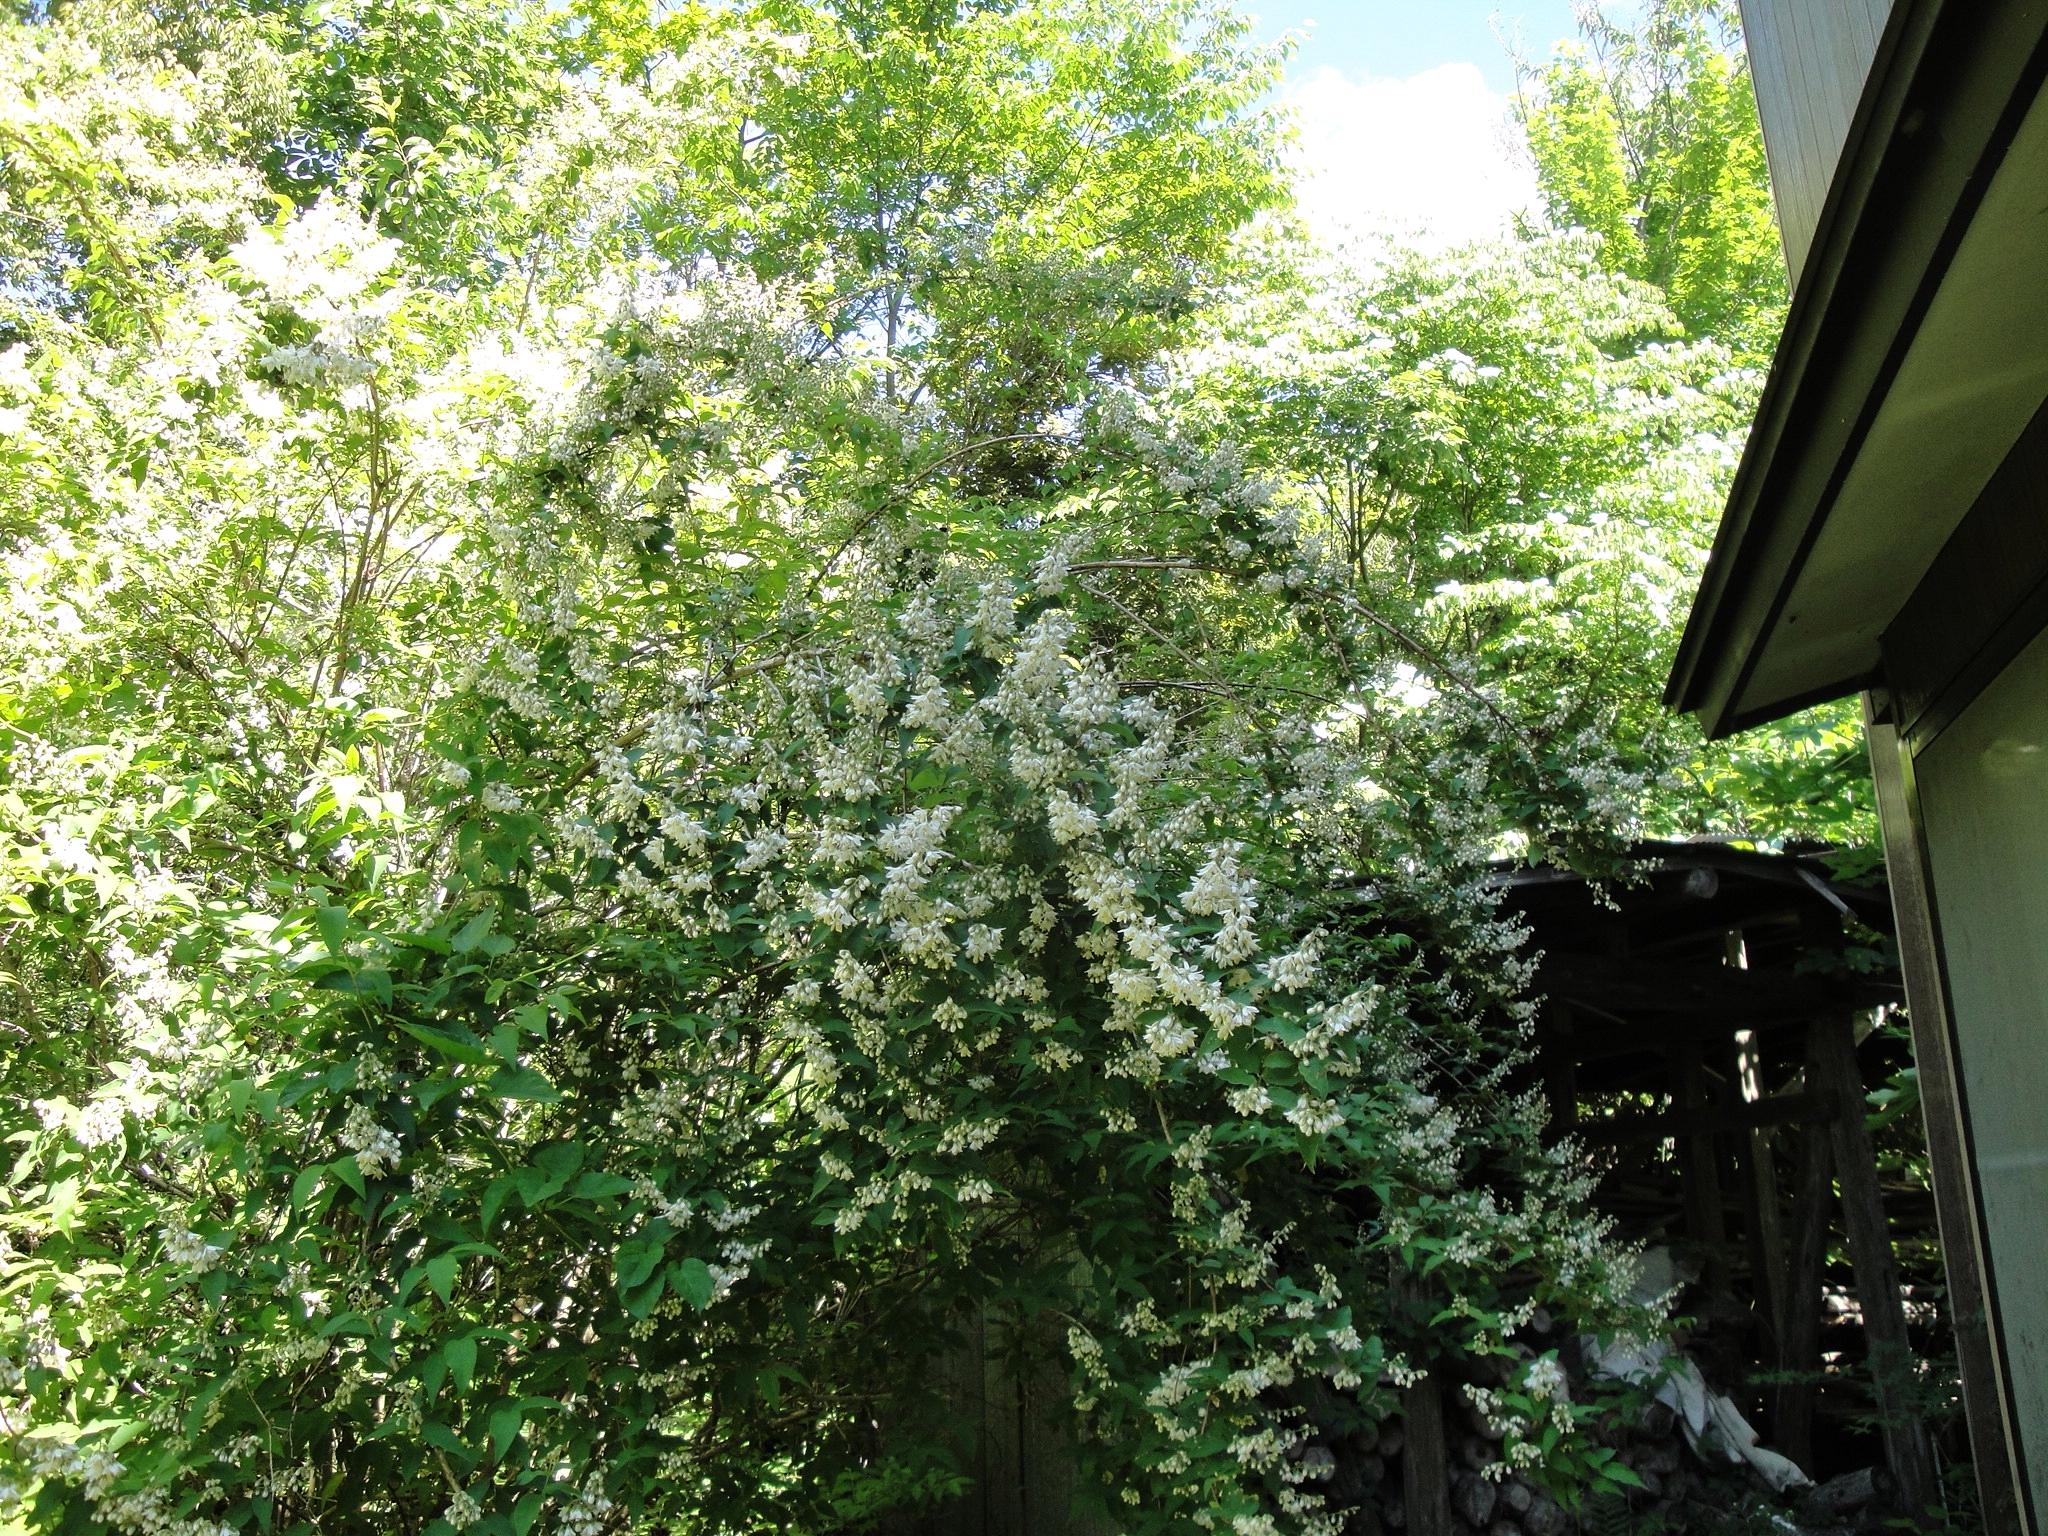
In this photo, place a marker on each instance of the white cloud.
(1433, 157)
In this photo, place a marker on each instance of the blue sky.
(1397, 38)
(1402, 107)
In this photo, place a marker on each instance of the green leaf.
(472, 932)
(350, 1173)
(637, 1259)
(374, 984)
(599, 1185)
(554, 1165)
(524, 1083)
(505, 1421)
(463, 1047)
(461, 1354)
(441, 1272)
(495, 1196)
(333, 923)
(307, 1182)
(446, 1439)
(692, 1281)
(639, 1300)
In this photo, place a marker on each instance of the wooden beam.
(1721, 996)
(1908, 1450)
(1800, 1290)
(1780, 1109)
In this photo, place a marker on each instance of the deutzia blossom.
(1069, 820)
(186, 1248)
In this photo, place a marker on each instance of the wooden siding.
(1809, 59)
(1006, 1392)
(1981, 785)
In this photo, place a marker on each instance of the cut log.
(1840, 1498)
(1473, 1497)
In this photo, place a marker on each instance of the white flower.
(866, 698)
(1546, 1379)
(1249, 1101)
(376, 1147)
(185, 1247)
(763, 849)
(1220, 887)
(1167, 1036)
(101, 1123)
(1068, 819)
(929, 708)
(500, 796)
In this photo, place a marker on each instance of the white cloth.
(1714, 1427)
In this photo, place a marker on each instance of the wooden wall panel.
(1006, 1402)
(1809, 59)
(1948, 1137)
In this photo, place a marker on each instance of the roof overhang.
(1914, 354)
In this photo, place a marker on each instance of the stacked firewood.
(1679, 1491)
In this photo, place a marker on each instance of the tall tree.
(1523, 471)
(1647, 134)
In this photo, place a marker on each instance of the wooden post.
(1700, 1172)
(1425, 1460)
(1798, 1323)
(1004, 1475)
(1764, 1218)
(1766, 1223)
(1003, 1401)
(1908, 1451)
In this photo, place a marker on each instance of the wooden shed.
(1708, 1032)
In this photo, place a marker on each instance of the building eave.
(1949, 86)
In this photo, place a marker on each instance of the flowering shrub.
(629, 1106)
